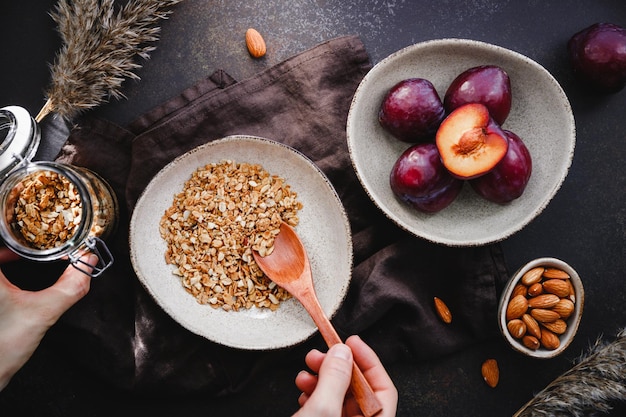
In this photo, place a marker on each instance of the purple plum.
(411, 111)
(488, 85)
(598, 56)
(419, 179)
(508, 180)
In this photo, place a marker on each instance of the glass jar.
(19, 138)
(50, 210)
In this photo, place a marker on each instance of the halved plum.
(508, 180)
(486, 84)
(412, 110)
(470, 142)
(419, 179)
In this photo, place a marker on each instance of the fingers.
(314, 360)
(71, 286)
(375, 373)
(306, 383)
(330, 386)
(335, 372)
(367, 360)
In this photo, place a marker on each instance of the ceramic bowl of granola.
(541, 307)
(194, 226)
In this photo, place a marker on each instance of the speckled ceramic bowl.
(572, 321)
(323, 228)
(541, 115)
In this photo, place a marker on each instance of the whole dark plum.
(488, 85)
(508, 180)
(411, 110)
(419, 179)
(598, 56)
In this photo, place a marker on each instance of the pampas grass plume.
(101, 41)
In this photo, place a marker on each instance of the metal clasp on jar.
(96, 246)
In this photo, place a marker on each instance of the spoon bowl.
(288, 266)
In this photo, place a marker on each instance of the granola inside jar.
(52, 211)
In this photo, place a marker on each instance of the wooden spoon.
(288, 266)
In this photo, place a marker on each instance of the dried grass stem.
(101, 41)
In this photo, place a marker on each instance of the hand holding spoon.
(288, 266)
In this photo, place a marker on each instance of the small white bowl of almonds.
(541, 307)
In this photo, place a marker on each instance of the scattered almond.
(490, 372)
(443, 311)
(255, 43)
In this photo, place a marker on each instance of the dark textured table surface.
(585, 224)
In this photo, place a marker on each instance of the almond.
(519, 289)
(532, 276)
(490, 372)
(564, 308)
(543, 301)
(255, 43)
(516, 328)
(549, 340)
(535, 289)
(517, 307)
(557, 326)
(531, 342)
(557, 286)
(532, 326)
(572, 292)
(443, 311)
(543, 315)
(555, 273)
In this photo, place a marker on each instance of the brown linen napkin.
(118, 331)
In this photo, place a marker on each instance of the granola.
(224, 212)
(47, 209)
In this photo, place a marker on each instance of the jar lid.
(19, 138)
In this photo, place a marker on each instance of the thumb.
(71, 286)
(334, 376)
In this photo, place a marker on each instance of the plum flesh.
(488, 85)
(419, 179)
(598, 56)
(411, 110)
(508, 180)
(470, 142)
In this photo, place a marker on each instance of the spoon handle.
(361, 389)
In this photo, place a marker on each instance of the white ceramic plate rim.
(323, 228)
(469, 220)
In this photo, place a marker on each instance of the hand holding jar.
(26, 316)
(49, 210)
